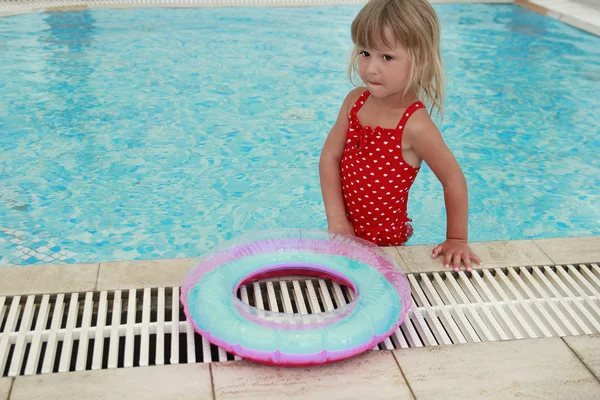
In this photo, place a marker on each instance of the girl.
(383, 132)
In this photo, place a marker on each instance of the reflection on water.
(153, 133)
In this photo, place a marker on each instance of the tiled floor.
(590, 3)
(493, 254)
(5, 384)
(373, 375)
(587, 349)
(136, 274)
(527, 369)
(563, 251)
(578, 13)
(52, 278)
(190, 381)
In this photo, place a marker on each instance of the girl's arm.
(329, 169)
(423, 136)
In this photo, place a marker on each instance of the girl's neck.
(395, 101)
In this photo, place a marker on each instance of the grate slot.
(15, 366)
(285, 298)
(51, 344)
(84, 341)
(35, 349)
(448, 321)
(299, 297)
(67, 343)
(590, 322)
(501, 316)
(258, 298)
(313, 301)
(190, 344)
(3, 313)
(175, 327)
(99, 339)
(160, 328)
(534, 324)
(430, 319)
(271, 298)
(578, 281)
(540, 310)
(553, 292)
(444, 297)
(145, 338)
(593, 275)
(478, 322)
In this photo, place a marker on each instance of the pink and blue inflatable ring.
(382, 297)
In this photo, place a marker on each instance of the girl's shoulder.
(352, 97)
(420, 124)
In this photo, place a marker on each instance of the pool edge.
(60, 278)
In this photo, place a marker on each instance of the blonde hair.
(415, 25)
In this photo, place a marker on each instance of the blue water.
(157, 133)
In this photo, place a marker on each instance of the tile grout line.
(10, 390)
(579, 358)
(212, 381)
(404, 375)
(408, 268)
(97, 278)
(402, 264)
(543, 252)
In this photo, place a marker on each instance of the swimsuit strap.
(360, 102)
(407, 114)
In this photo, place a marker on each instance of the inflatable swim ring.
(382, 297)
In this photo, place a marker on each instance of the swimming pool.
(156, 133)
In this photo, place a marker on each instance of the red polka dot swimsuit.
(376, 179)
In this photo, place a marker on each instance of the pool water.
(157, 133)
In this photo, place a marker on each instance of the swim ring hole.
(301, 272)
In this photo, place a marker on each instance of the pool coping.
(137, 274)
(578, 15)
(402, 373)
(570, 12)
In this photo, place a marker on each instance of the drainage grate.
(128, 328)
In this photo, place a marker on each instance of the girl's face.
(385, 71)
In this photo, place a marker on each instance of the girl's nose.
(373, 68)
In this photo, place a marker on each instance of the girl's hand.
(454, 252)
(341, 226)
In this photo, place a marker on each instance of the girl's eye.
(387, 58)
(364, 53)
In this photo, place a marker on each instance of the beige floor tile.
(393, 251)
(185, 381)
(139, 274)
(524, 369)
(373, 375)
(493, 255)
(571, 250)
(587, 349)
(581, 23)
(52, 278)
(5, 388)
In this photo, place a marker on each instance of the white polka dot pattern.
(376, 180)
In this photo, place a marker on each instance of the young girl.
(384, 132)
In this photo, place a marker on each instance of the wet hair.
(414, 24)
